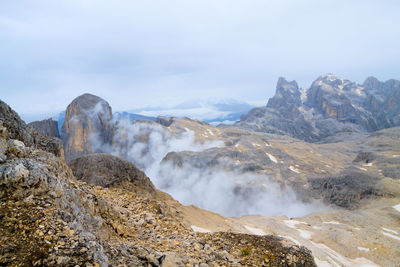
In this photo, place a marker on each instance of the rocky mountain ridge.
(47, 127)
(331, 106)
(49, 218)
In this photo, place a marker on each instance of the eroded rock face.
(110, 171)
(331, 106)
(17, 129)
(46, 127)
(88, 123)
(348, 189)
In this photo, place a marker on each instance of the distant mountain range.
(213, 111)
(331, 106)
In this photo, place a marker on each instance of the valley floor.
(366, 237)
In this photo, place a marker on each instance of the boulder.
(110, 171)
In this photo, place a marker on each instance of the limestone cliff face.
(88, 122)
(17, 129)
(330, 96)
(331, 106)
(46, 127)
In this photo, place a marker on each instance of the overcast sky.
(156, 53)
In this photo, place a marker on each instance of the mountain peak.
(287, 94)
(284, 85)
(372, 82)
(87, 101)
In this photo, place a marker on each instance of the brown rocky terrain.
(49, 218)
(111, 171)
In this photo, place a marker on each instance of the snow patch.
(210, 132)
(395, 156)
(397, 207)
(305, 234)
(368, 164)
(336, 259)
(255, 231)
(391, 231)
(363, 249)
(363, 169)
(256, 145)
(291, 239)
(390, 235)
(331, 222)
(200, 230)
(272, 158)
(293, 169)
(321, 263)
(292, 223)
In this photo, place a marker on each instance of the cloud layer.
(150, 53)
(229, 193)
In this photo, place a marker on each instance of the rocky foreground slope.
(48, 217)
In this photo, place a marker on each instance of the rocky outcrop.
(110, 171)
(347, 190)
(331, 106)
(46, 127)
(17, 129)
(286, 97)
(87, 126)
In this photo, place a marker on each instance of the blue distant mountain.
(213, 111)
(131, 116)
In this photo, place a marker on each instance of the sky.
(138, 54)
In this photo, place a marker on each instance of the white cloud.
(140, 53)
(227, 192)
